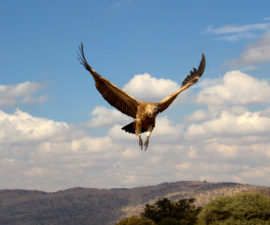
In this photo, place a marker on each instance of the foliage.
(169, 221)
(135, 220)
(247, 208)
(167, 212)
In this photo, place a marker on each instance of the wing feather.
(190, 79)
(111, 93)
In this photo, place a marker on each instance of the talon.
(140, 142)
(146, 144)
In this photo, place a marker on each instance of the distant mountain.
(89, 206)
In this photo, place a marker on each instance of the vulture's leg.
(140, 142)
(148, 134)
(138, 127)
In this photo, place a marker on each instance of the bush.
(135, 220)
(166, 212)
(247, 208)
(169, 221)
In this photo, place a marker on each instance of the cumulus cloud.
(45, 154)
(102, 116)
(68, 157)
(215, 143)
(254, 53)
(148, 88)
(230, 124)
(198, 115)
(266, 112)
(21, 126)
(118, 134)
(166, 130)
(24, 92)
(89, 144)
(235, 87)
(131, 153)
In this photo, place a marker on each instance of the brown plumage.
(144, 113)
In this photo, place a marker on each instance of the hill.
(89, 206)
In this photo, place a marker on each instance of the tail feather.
(130, 128)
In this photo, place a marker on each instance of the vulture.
(143, 113)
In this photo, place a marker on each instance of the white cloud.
(35, 172)
(166, 130)
(228, 123)
(266, 112)
(118, 134)
(129, 180)
(226, 151)
(131, 153)
(103, 116)
(254, 53)
(237, 29)
(71, 157)
(237, 37)
(21, 126)
(90, 144)
(198, 115)
(225, 142)
(184, 165)
(235, 87)
(148, 88)
(235, 33)
(10, 95)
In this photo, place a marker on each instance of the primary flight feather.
(144, 113)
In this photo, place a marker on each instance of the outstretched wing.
(114, 95)
(191, 79)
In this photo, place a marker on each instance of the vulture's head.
(152, 109)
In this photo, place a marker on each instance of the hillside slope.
(88, 206)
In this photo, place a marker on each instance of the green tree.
(240, 209)
(167, 212)
(169, 221)
(135, 220)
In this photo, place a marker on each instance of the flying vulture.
(143, 113)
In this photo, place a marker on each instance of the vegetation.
(240, 209)
(166, 212)
(88, 206)
(135, 220)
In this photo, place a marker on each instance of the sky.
(56, 130)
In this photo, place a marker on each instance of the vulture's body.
(143, 113)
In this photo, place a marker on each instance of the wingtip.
(196, 73)
(81, 47)
(82, 58)
(203, 57)
(202, 64)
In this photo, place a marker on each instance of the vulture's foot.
(146, 143)
(140, 142)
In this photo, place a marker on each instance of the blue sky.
(55, 125)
